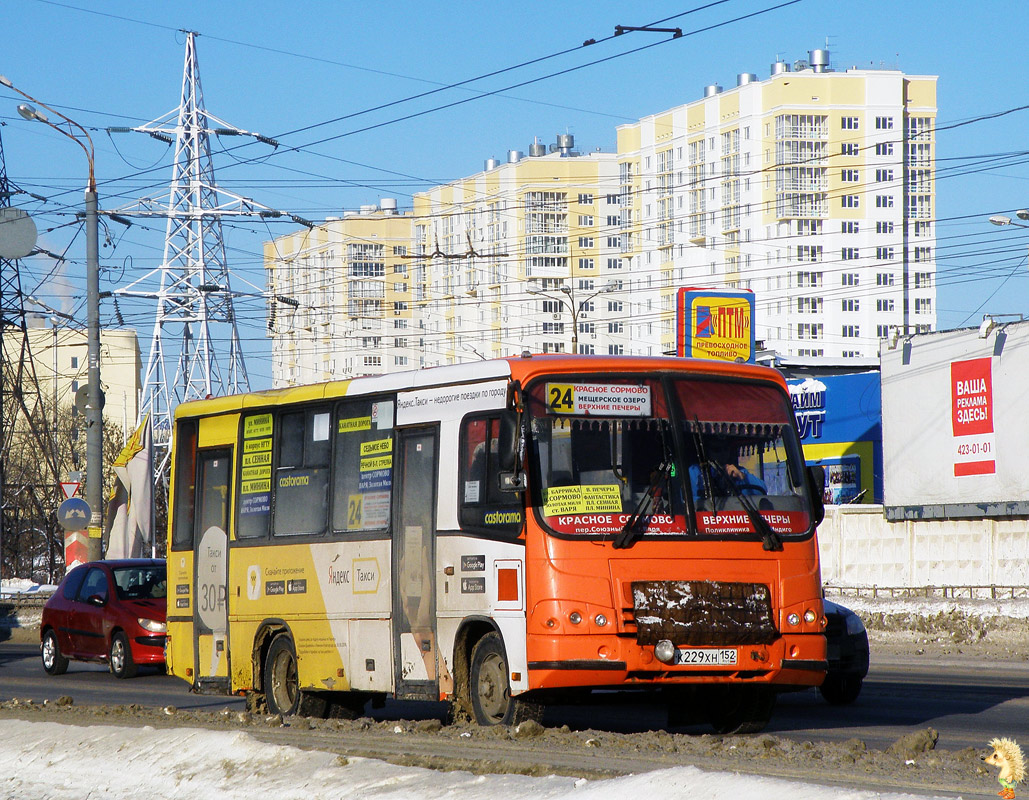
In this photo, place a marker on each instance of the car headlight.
(152, 625)
(854, 625)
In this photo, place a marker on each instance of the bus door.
(414, 578)
(211, 613)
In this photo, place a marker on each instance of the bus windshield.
(633, 457)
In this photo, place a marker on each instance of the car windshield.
(147, 582)
(620, 455)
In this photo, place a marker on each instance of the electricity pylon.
(22, 410)
(195, 349)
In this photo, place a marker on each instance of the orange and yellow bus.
(500, 534)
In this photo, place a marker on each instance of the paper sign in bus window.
(560, 500)
(598, 399)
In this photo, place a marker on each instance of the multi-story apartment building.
(341, 298)
(812, 188)
(59, 360)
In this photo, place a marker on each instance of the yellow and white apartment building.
(813, 188)
(60, 360)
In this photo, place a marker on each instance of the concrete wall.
(859, 547)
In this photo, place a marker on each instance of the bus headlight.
(664, 651)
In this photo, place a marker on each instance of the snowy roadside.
(54, 761)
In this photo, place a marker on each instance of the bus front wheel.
(281, 687)
(490, 690)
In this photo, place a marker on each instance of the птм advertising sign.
(716, 325)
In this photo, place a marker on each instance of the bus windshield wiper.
(770, 539)
(639, 520)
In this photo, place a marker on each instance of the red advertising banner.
(971, 394)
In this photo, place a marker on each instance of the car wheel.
(741, 709)
(121, 661)
(490, 690)
(840, 690)
(281, 686)
(53, 662)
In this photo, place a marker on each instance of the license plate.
(706, 656)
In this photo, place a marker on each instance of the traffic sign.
(70, 488)
(73, 514)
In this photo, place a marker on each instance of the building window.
(614, 305)
(587, 349)
(851, 331)
(884, 123)
(884, 279)
(850, 175)
(615, 349)
(923, 305)
(884, 304)
(586, 263)
(884, 253)
(850, 254)
(882, 331)
(586, 241)
(849, 149)
(809, 279)
(614, 263)
(884, 175)
(586, 200)
(809, 330)
(849, 123)
(884, 149)
(849, 279)
(884, 201)
(923, 280)
(850, 226)
(615, 327)
(400, 361)
(553, 327)
(923, 254)
(850, 304)
(850, 201)
(883, 227)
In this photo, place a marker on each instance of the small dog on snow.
(1008, 756)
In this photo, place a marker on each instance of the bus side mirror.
(511, 478)
(508, 444)
(816, 484)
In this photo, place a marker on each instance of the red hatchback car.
(107, 611)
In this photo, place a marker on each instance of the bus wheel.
(740, 709)
(489, 689)
(281, 687)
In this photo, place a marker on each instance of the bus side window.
(302, 473)
(363, 474)
(255, 482)
(185, 485)
(483, 506)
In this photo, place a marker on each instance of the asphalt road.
(967, 701)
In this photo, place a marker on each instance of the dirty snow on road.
(57, 762)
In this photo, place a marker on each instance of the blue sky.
(280, 68)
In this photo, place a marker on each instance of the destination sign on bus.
(599, 399)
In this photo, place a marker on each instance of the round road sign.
(73, 514)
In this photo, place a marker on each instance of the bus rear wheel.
(281, 686)
(740, 709)
(490, 690)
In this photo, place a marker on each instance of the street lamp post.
(568, 301)
(94, 419)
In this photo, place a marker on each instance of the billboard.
(954, 423)
(715, 324)
(839, 418)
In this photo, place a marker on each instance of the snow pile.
(58, 762)
(24, 586)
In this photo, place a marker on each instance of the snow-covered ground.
(54, 761)
(24, 586)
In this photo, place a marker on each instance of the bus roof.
(523, 368)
